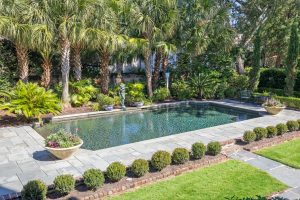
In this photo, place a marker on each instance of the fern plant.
(31, 101)
(82, 92)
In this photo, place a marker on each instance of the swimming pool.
(124, 128)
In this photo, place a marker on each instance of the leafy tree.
(255, 71)
(292, 60)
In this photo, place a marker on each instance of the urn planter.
(63, 153)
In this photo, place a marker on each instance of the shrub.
(61, 139)
(31, 101)
(292, 125)
(281, 129)
(181, 90)
(292, 102)
(249, 136)
(135, 92)
(260, 133)
(82, 92)
(160, 160)
(272, 131)
(116, 171)
(214, 148)
(139, 167)
(161, 94)
(93, 178)
(180, 156)
(198, 150)
(105, 100)
(298, 122)
(64, 184)
(34, 190)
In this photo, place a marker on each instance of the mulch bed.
(129, 182)
(9, 119)
(272, 141)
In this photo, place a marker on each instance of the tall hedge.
(255, 71)
(292, 60)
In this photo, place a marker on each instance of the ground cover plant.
(287, 153)
(220, 181)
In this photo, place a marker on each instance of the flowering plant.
(62, 139)
(271, 102)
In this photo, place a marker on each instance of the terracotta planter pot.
(273, 110)
(63, 153)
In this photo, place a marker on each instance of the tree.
(151, 18)
(255, 71)
(292, 60)
(14, 25)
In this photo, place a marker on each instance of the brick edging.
(127, 183)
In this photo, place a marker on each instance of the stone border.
(129, 183)
(268, 142)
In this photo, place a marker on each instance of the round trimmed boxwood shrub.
(116, 171)
(198, 150)
(160, 160)
(298, 123)
(281, 129)
(180, 156)
(139, 167)
(249, 136)
(214, 148)
(292, 125)
(260, 133)
(272, 131)
(34, 190)
(64, 184)
(93, 178)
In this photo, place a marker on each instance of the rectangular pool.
(124, 128)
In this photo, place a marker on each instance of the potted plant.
(106, 102)
(136, 94)
(273, 106)
(62, 144)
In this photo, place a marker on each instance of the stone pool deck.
(23, 158)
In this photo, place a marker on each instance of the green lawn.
(221, 181)
(287, 153)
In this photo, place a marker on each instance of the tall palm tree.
(65, 15)
(150, 19)
(15, 27)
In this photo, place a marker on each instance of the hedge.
(274, 78)
(291, 102)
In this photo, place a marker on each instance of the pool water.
(113, 130)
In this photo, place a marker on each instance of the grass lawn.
(287, 153)
(221, 181)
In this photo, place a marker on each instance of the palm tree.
(15, 27)
(150, 19)
(65, 15)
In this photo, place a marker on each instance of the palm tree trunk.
(148, 73)
(158, 58)
(65, 70)
(46, 76)
(77, 63)
(23, 61)
(165, 63)
(278, 61)
(104, 71)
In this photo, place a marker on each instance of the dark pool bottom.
(113, 130)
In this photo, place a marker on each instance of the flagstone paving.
(283, 173)
(23, 157)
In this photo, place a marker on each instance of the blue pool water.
(113, 130)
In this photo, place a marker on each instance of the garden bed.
(129, 182)
(268, 142)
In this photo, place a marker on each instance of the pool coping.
(78, 116)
